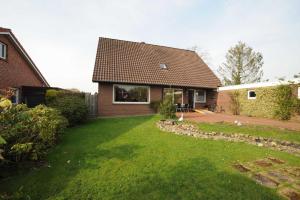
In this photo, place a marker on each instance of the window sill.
(134, 103)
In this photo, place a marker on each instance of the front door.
(191, 97)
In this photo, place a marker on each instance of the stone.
(273, 144)
(280, 177)
(276, 160)
(263, 163)
(290, 193)
(266, 181)
(260, 144)
(241, 167)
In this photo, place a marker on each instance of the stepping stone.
(266, 181)
(280, 177)
(290, 194)
(263, 163)
(241, 168)
(293, 171)
(276, 160)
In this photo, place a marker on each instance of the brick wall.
(223, 100)
(107, 108)
(16, 71)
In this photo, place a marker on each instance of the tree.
(204, 54)
(243, 65)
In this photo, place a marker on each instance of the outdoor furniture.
(178, 107)
(185, 107)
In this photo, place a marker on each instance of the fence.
(91, 100)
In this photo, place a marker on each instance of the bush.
(297, 106)
(167, 109)
(285, 102)
(154, 105)
(29, 132)
(71, 105)
(235, 105)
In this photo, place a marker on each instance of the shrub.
(235, 105)
(71, 105)
(297, 106)
(167, 109)
(154, 105)
(29, 132)
(285, 102)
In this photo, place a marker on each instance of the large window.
(3, 51)
(131, 94)
(200, 96)
(176, 94)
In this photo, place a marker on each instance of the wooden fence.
(91, 100)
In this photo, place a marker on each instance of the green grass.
(263, 131)
(129, 158)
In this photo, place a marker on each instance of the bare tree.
(243, 65)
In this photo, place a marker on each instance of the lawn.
(263, 131)
(129, 158)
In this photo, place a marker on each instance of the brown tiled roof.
(134, 62)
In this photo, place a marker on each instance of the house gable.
(17, 69)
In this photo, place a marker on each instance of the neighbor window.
(3, 50)
(251, 94)
(134, 94)
(200, 96)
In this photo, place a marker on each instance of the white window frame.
(195, 99)
(119, 102)
(5, 50)
(298, 92)
(249, 94)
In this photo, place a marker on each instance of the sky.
(61, 36)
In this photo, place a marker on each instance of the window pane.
(252, 94)
(168, 92)
(177, 96)
(200, 96)
(130, 93)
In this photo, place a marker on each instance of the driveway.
(221, 117)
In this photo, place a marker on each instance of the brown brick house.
(130, 75)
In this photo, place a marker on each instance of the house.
(255, 99)
(17, 70)
(131, 75)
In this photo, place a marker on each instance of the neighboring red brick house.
(131, 75)
(16, 67)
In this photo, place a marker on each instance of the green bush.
(285, 102)
(167, 109)
(71, 105)
(29, 132)
(154, 105)
(297, 106)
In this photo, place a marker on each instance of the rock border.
(181, 128)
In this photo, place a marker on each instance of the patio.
(210, 117)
